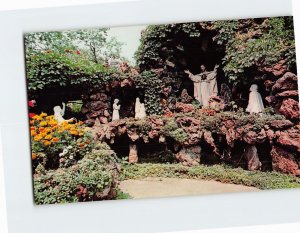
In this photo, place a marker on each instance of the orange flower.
(33, 133)
(37, 138)
(48, 137)
(46, 143)
(33, 156)
(55, 139)
(88, 141)
(74, 132)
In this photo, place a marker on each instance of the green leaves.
(152, 86)
(81, 182)
(255, 43)
(46, 70)
(249, 44)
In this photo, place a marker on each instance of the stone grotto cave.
(178, 54)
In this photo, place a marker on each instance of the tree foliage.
(94, 43)
(156, 37)
(248, 44)
(255, 43)
(46, 70)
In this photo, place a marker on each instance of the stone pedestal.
(189, 156)
(252, 158)
(133, 153)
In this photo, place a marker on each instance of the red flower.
(31, 114)
(31, 103)
(77, 52)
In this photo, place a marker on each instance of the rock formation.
(188, 132)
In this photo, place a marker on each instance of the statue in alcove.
(205, 84)
(140, 110)
(116, 108)
(255, 103)
(197, 85)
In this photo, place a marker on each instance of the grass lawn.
(222, 173)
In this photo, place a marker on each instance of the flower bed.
(58, 145)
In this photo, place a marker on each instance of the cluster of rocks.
(97, 106)
(285, 98)
(282, 135)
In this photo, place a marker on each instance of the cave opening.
(151, 152)
(189, 53)
(121, 146)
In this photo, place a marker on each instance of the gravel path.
(166, 187)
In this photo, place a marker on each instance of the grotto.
(176, 125)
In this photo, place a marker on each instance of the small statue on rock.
(116, 108)
(140, 110)
(60, 112)
(255, 103)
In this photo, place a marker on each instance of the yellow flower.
(74, 132)
(37, 138)
(43, 114)
(53, 123)
(67, 127)
(48, 137)
(38, 118)
(43, 123)
(43, 134)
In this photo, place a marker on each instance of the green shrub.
(92, 178)
(172, 130)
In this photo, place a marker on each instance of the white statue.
(137, 107)
(255, 103)
(140, 110)
(212, 78)
(116, 108)
(197, 87)
(59, 113)
(205, 84)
